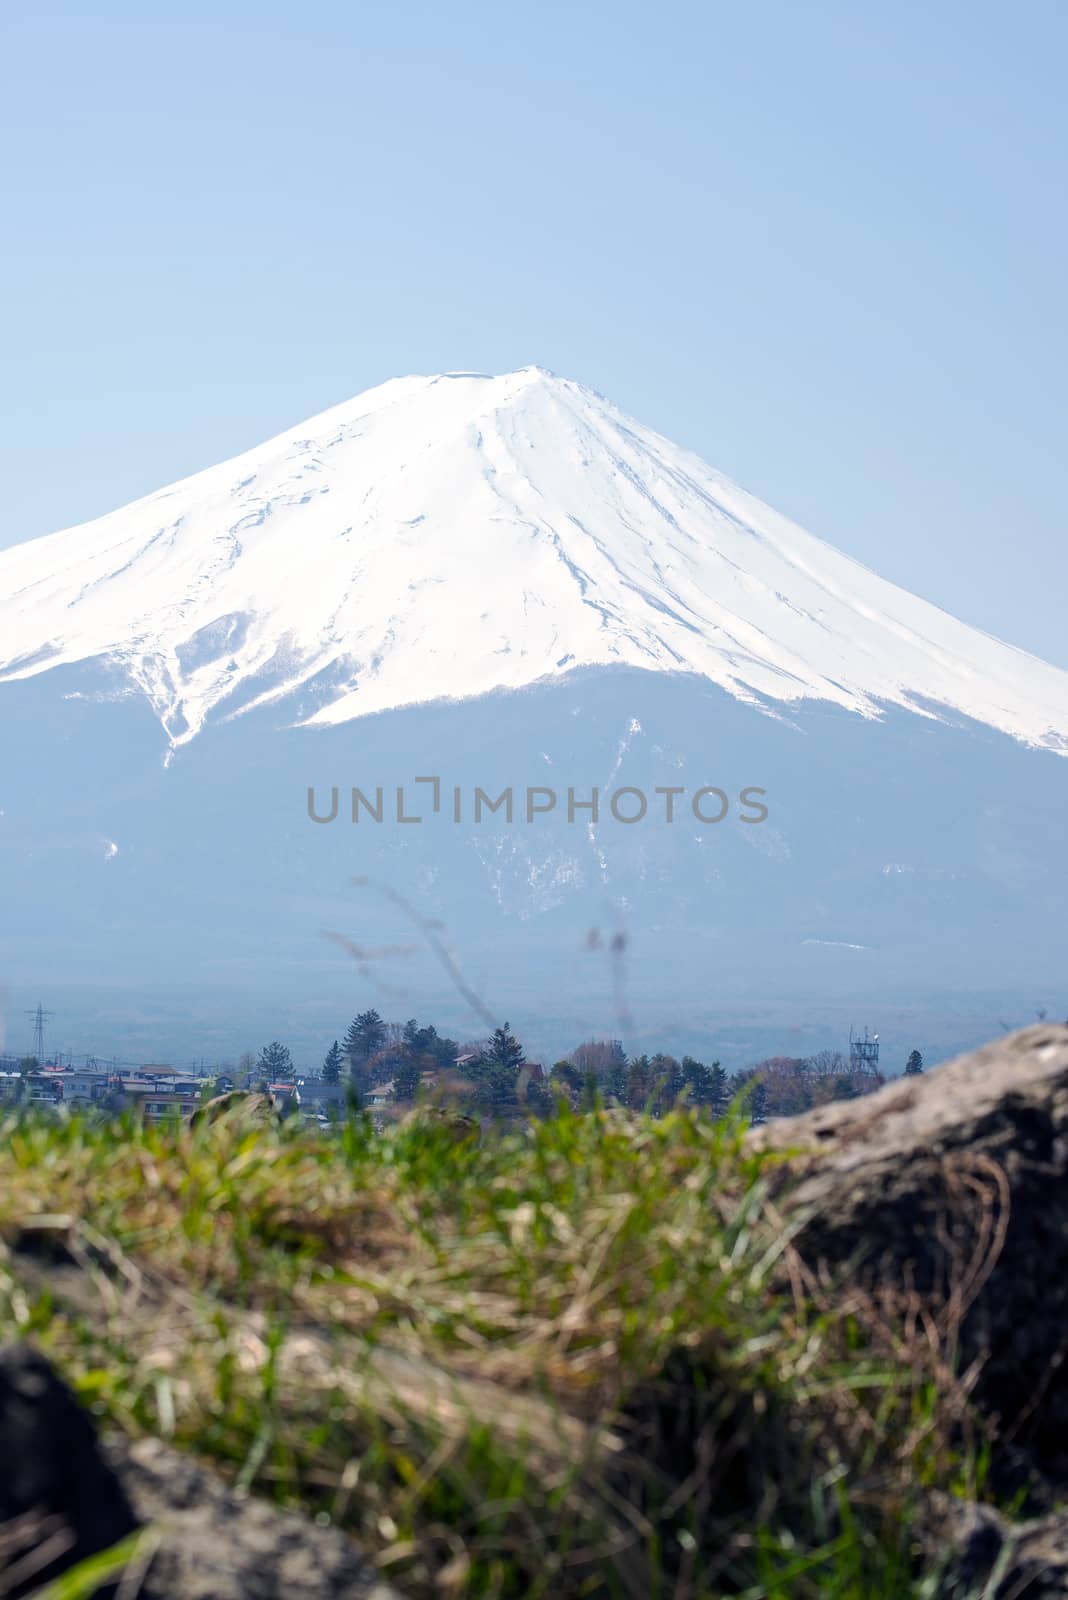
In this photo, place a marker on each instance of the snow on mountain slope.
(447, 536)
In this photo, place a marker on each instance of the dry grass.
(580, 1358)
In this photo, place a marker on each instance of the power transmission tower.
(39, 1018)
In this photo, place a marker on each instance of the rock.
(250, 1105)
(457, 1124)
(218, 1545)
(953, 1185)
(995, 1559)
(63, 1497)
(57, 1492)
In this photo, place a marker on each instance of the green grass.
(574, 1359)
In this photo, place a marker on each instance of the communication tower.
(863, 1052)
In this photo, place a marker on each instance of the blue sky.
(822, 244)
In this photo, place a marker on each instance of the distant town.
(383, 1068)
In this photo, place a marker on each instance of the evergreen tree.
(495, 1086)
(758, 1103)
(365, 1036)
(537, 1097)
(428, 1044)
(719, 1090)
(708, 1087)
(504, 1050)
(275, 1064)
(407, 1077)
(669, 1080)
(567, 1079)
(695, 1078)
(495, 1075)
(914, 1064)
(639, 1083)
(442, 1051)
(331, 1072)
(615, 1079)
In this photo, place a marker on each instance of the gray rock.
(218, 1545)
(59, 1499)
(954, 1185)
(993, 1559)
(241, 1104)
(63, 1497)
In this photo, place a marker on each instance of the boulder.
(216, 1544)
(60, 1501)
(952, 1187)
(65, 1496)
(245, 1104)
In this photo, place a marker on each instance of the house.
(378, 1102)
(316, 1097)
(81, 1086)
(156, 1100)
(42, 1089)
(29, 1088)
(284, 1096)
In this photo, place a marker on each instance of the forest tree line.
(376, 1059)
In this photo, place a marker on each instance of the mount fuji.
(444, 537)
(504, 582)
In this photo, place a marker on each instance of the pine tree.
(706, 1085)
(694, 1075)
(495, 1086)
(331, 1072)
(275, 1063)
(567, 1080)
(758, 1103)
(407, 1078)
(669, 1080)
(719, 1090)
(639, 1083)
(615, 1079)
(504, 1049)
(365, 1036)
(495, 1075)
(428, 1044)
(914, 1064)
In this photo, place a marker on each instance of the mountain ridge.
(335, 562)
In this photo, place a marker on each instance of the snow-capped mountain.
(504, 582)
(444, 537)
